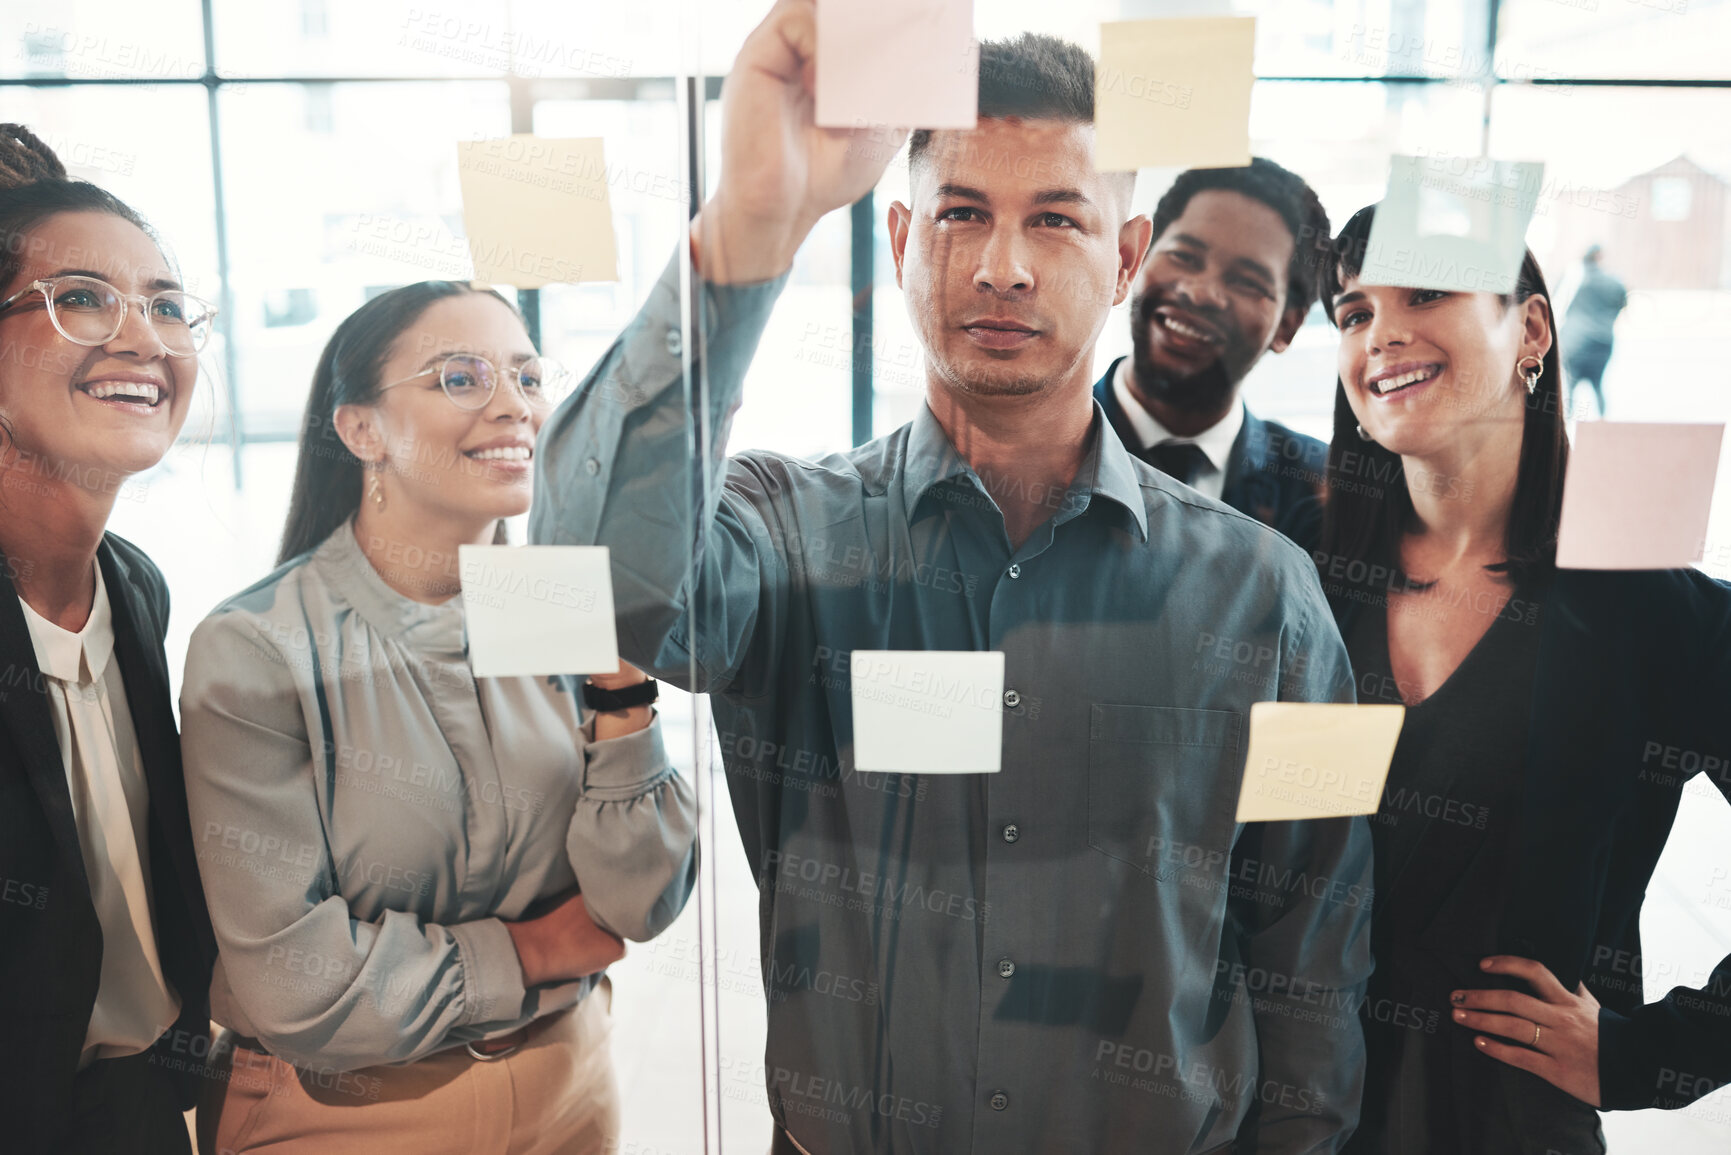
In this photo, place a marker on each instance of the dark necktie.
(1181, 459)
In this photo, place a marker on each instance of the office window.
(1628, 39)
(1671, 198)
(102, 41)
(335, 149)
(283, 307)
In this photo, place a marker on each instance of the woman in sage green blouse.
(416, 876)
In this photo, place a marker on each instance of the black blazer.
(1276, 475)
(50, 940)
(1631, 700)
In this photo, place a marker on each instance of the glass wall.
(1341, 87)
(299, 159)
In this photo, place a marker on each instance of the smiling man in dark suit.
(1228, 278)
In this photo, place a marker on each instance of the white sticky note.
(538, 609)
(1316, 760)
(1638, 495)
(908, 63)
(536, 211)
(1450, 222)
(1174, 92)
(927, 711)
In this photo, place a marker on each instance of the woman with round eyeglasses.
(88, 310)
(417, 877)
(1553, 720)
(105, 948)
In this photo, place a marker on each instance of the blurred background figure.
(1587, 326)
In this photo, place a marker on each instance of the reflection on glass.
(327, 38)
(648, 193)
(1656, 207)
(1437, 38)
(1648, 39)
(102, 40)
(327, 211)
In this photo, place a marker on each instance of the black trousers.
(124, 1107)
(1586, 364)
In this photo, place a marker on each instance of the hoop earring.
(375, 491)
(1362, 435)
(1530, 374)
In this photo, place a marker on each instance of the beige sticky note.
(1174, 92)
(536, 211)
(910, 63)
(1316, 760)
(1638, 495)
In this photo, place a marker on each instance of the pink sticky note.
(1637, 495)
(911, 63)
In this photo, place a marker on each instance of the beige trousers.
(557, 1093)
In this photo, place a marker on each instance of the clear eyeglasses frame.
(469, 380)
(88, 311)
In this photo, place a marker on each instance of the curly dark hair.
(33, 187)
(1280, 189)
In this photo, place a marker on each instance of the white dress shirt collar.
(1215, 441)
(75, 658)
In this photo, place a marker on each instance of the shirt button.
(1006, 968)
(1015, 570)
(1011, 833)
(675, 343)
(1012, 699)
(999, 1100)
(591, 467)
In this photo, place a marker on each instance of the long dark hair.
(327, 485)
(1369, 505)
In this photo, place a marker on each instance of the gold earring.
(375, 490)
(1531, 373)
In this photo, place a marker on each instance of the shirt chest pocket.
(1163, 788)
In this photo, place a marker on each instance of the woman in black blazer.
(1553, 720)
(105, 948)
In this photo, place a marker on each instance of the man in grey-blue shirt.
(1085, 951)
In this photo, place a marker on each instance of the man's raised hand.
(780, 172)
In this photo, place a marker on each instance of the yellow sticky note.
(1316, 760)
(536, 211)
(1174, 92)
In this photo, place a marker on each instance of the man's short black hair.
(1033, 76)
(1281, 190)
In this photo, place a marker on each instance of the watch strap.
(607, 701)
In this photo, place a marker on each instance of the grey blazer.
(367, 812)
